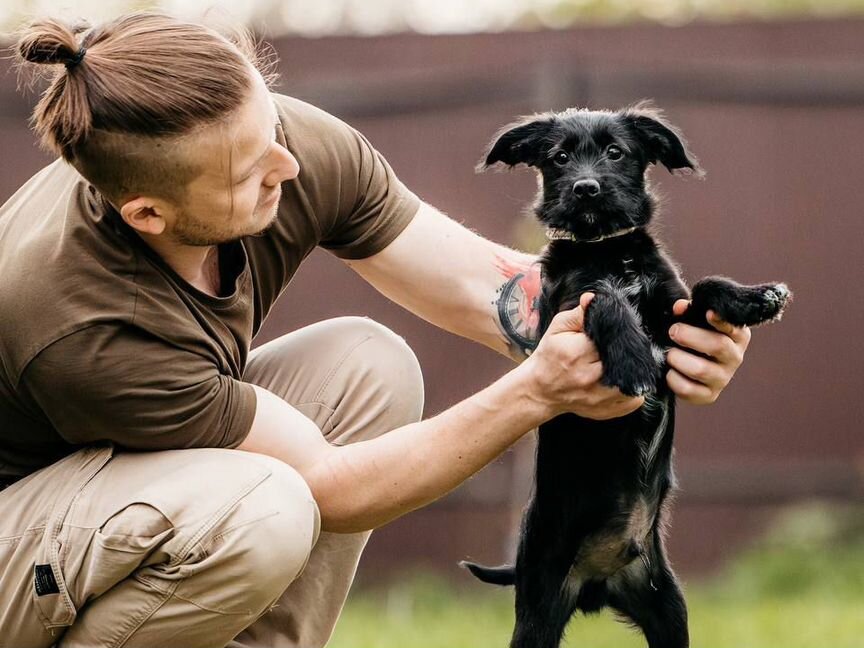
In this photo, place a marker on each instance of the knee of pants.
(384, 386)
(266, 544)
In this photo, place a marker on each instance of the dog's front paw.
(633, 372)
(740, 305)
(774, 299)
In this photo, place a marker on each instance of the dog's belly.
(609, 550)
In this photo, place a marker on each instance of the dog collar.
(557, 234)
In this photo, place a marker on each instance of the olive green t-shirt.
(100, 340)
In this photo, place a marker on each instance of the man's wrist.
(516, 301)
(529, 397)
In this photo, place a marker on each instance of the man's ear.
(522, 142)
(659, 139)
(144, 215)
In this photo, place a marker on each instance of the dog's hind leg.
(544, 599)
(647, 593)
(544, 605)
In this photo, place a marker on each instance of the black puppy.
(592, 535)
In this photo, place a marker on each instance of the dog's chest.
(634, 278)
(626, 275)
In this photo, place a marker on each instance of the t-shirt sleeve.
(359, 203)
(124, 386)
(374, 207)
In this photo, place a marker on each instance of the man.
(165, 487)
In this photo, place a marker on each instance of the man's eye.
(246, 179)
(561, 158)
(614, 153)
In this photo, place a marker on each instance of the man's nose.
(585, 189)
(289, 165)
(286, 168)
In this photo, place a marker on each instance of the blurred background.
(768, 527)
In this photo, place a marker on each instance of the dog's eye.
(614, 153)
(561, 158)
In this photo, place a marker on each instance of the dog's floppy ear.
(522, 142)
(661, 141)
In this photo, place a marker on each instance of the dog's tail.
(503, 575)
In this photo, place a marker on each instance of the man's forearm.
(459, 281)
(364, 485)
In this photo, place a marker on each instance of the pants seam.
(240, 526)
(172, 593)
(136, 621)
(17, 538)
(210, 609)
(213, 520)
(338, 365)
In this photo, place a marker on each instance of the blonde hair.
(131, 86)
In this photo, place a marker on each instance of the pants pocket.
(101, 558)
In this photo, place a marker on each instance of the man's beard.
(271, 220)
(192, 232)
(264, 229)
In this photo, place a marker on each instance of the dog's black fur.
(593, 532)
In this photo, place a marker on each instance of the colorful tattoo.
(516, 304)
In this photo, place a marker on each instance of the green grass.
(795, 590)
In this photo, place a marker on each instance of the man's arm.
(459, 281)
(366, 484)
(465, 284)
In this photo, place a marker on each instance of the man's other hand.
(696, 379)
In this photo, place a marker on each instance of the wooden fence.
(773, 111)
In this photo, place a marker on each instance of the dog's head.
(593, 165)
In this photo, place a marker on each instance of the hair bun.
(49, 42)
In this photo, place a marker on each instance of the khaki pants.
(203, 547)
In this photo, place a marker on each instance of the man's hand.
(700, 380)
(565, 371)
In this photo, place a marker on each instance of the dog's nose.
(586, 189)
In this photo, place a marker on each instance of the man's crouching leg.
(355, 379)
(178, 548)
